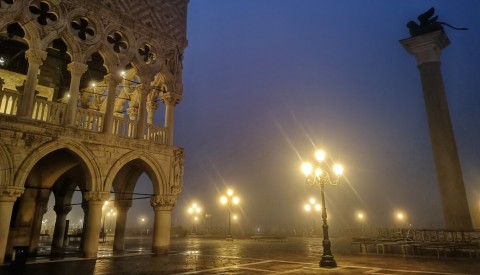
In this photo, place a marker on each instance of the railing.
(124, 127)
(9, 102)
(156, 133)
(89, 120)
(48, 111)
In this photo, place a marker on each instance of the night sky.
(267, 82)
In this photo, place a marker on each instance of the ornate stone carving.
(77, 68)
(10, 193)
(177, 168)
(62, 209)
(170, 98)
(43, 13)
(96, 196)
(36, 56)
(163, 202)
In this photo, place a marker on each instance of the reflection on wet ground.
(214, 256)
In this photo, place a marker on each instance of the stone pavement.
(213, 256)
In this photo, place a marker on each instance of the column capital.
(163, 203)
(62, 209)
(170, 98)
(112, 79)
(35, 56)
(132, 111)
(426, 47)
(10, 193)
(96, 196)
(77, 68)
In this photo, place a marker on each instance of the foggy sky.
(266, 82)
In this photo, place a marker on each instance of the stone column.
(162, 206)
(121, 224)
(142, 109)
(170, 100)
(40, 210)
(8, 196)
(60, 223)
(427, 48)
(35, 60)
(95, 202)
(151, 108)
(85, 224)
(112, 81)
(76, 69)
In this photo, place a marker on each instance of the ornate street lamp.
(228, 201)
(194, 210)
(319, 172)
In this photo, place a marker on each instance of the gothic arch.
(93, 183)
(156, 174)
(6, 166)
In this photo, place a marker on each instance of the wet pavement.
(245, 256)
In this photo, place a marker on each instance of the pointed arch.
(6, 166)
(93, 182)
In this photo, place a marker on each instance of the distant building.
(81, 82)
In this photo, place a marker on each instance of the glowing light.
(229, 192)
(236, 200)
(122, 73)
(223, 200)
(307, 168)
(338, 169)
(320, 155)
(318, 172)
(235, 217)
(93, 84)
(2, 61)
(312, 200)
(307, 207)
(360, 215)
(318, 207)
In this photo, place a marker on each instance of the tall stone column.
(8, 196)
(40, 210)
(427, 48)
(162, 206)
(60, 223)
(35, 60)
(121, 225)
(112, 81)
(76, 69)
(170, 100)
(142, 109)
(95, 202)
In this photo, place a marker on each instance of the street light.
(312, 206)
(229, 200)
(194, 210)
(320, 173)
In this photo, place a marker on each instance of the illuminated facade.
(81, 83)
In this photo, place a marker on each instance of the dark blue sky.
(268, 81)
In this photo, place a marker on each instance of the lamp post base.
(327, 261)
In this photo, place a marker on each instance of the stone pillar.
(151, 108)
(60, 223)
(8, 196)
(427, 48)
(76, 69)
(162, 206)
(95, 202)
(40, 210)
(85, 224)
(170, 100)
(35, 60)
(142, 110)
(121, 225)
(112, 81)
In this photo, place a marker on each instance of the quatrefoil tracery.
(43, 12)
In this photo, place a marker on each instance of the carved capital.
(96, 196)
(132, 112)
(10, 193)
(77, 68)
(152, 106)
(170, 98)
(62, 209)
(427, 47)
(165, 203)
(35, 56)
(112, 79)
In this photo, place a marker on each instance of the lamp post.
(320, 173)
(228, 201)
(194, 210)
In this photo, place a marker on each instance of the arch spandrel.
(93, 182)
(6, 166)
(156, 174)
